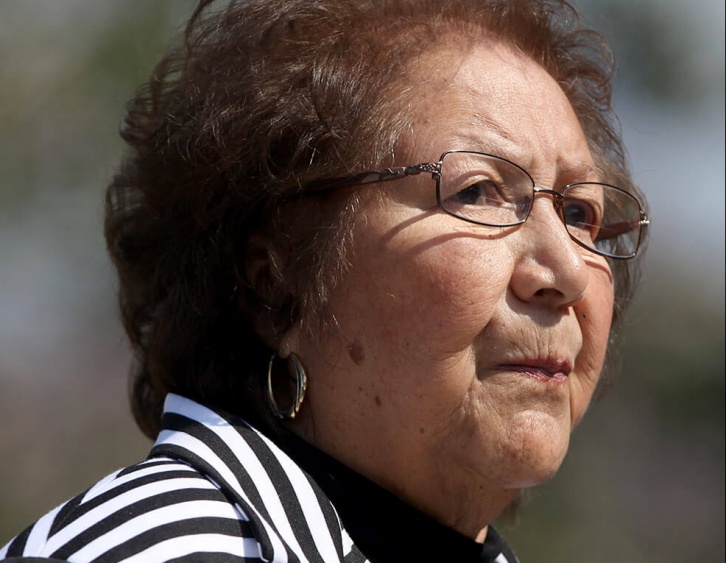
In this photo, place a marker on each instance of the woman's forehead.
(491, 98)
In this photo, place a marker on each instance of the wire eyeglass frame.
(559, 197)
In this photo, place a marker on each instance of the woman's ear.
(268, 299)
(263, 267)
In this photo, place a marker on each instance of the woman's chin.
(533, 475)
(534, 453)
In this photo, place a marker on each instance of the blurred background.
(645, 476)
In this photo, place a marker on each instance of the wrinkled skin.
(464, 355)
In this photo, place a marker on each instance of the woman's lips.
(543, 370)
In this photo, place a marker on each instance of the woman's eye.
(482, 193)
(582, 215)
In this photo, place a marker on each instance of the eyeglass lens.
(493, 191)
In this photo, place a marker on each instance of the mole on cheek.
(356, 352)
(378, 401)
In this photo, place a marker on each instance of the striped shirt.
(213, 489)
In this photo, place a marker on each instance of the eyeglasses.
(490, 190)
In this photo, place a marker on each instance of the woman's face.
(464, 355)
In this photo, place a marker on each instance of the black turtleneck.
(385, 528)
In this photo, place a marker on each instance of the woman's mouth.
(543, 370)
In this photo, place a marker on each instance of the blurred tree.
(664, 50)
(66, 70)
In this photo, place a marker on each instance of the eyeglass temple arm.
(372, 177)
(616, 229)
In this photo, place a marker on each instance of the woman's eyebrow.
(499, 143)
(579, 171)
(496, 141)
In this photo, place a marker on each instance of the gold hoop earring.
(301, 387)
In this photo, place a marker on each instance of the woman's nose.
(550, 268)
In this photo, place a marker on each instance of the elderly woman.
(371, 254)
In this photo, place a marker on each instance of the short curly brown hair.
(254, 100)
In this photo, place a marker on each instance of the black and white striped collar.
(281, 489)
(293, 520)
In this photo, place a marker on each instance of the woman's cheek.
(465, 286)
(594, 315)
